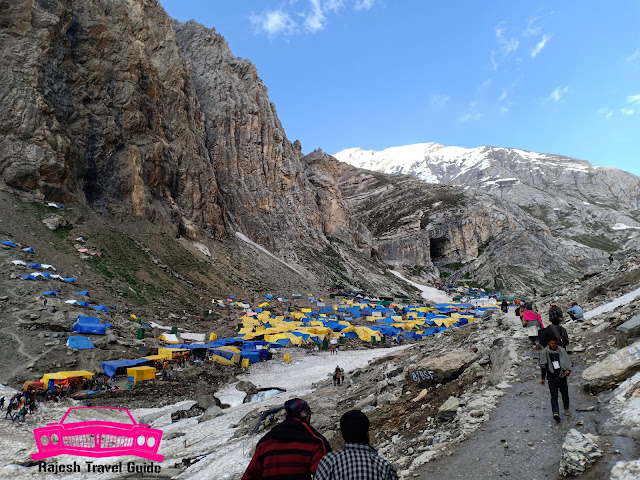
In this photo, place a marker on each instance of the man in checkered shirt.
(356, 460)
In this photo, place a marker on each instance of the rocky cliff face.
(98, 107)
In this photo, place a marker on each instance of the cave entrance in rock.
(437, 248)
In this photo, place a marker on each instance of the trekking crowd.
(555, 364)
(19, 405)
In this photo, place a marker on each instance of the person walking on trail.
(2, 403)
(341, 375)
(555, 367)
(356, 459)
(291, 450)
(336, 375)
(533, 323)
(555, 313)
(554, 331)
(504, 306)
(575, 311)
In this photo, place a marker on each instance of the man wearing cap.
(356, 459)
(291, 450)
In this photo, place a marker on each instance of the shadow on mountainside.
(521, 439)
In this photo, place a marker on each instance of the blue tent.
(81, 343)
(84, 304)
(35, 265)
(9, 243)
(252, 355)
(46, 275)
(82, 292)
(28, 277)
(70, 280)
(94, 328)
(29, 249)
(350, 335)
(268, 295)
(111, 367)
(227, 354)
(86, 319)
(51, 293)
(101, 308)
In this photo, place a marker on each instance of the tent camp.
(138, 374)
(169, 338)
(110, 368)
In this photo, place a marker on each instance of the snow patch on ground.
(430, 294)
(622, 226)
(618, 302)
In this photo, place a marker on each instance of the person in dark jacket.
(556, 332)
(555, 313)
(555, 367)
(291, 450)
(504, 306)
(356, 459)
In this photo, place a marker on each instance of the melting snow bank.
(430, 294)
(222, 457)
(618, 302)
(244, 238)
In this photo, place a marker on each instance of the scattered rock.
(628, 332)
(614, 369)
(212, 412)
(449, 408)
(206, 400)
(432, 370)
(579, 452)
(626, 470)
(54, 222)
(247, 387)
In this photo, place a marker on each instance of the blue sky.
(553, 76)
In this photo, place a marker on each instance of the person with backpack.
(555, 332)
(504, 306)
(555, 313)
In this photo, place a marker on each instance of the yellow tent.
(222, 360)
(52, 376)
(172, 352)
(141, 373)
(77, 374)
(158, 357)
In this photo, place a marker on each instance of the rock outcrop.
(579, 452)
(614, 369)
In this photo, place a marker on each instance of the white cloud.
(312, 17)
(634, 100)
(507, 45)
(470, 114)
(364, 4)
(503, 96)
(606, 113)
(627, 111)
(558, 93)
(274, 22)
(532, 30)
(541, 44)
(439, 100)
(634, 57)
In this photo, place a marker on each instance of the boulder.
(614, 369)
(54, 222)
(247, 387)
(432, 370)
(206, 400)
(212, 412)
(449, 408)
(626, 470)
(628, 332)
(579, 452)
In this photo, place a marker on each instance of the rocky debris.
(628, 332)
(626, 470)
(247, 387)
(579, 452)
(448, 409)
(206, 400)
(212, 412)
(433, 370)
(625, 407)
(614, 369)
(54, 222)
(194, 411)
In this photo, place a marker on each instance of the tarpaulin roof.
(9, 243)
(94, 328)
(82, 292)
(101, 308)
(111, 366)
(51, 293)
(81, 343)
(87, 319)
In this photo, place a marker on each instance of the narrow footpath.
(521, 439)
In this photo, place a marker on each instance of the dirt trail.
(521, 439)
